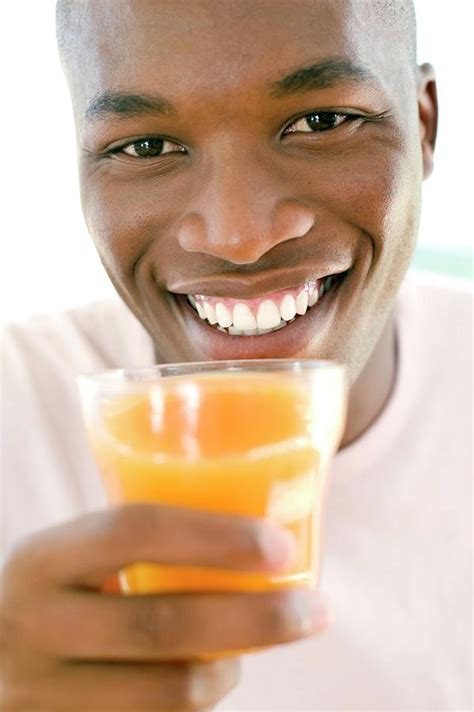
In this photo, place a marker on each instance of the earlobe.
(428, 115)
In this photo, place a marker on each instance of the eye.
(149, 148)
(319, 121)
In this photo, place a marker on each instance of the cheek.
(379, 195)
(377, 190)
(122, 221)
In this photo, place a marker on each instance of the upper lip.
(249, 286)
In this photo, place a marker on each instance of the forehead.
(208, 48)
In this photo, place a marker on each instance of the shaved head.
(398, 15)
(231, 148)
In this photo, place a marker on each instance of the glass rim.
(144, 374)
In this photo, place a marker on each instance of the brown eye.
(318, 121)
(150, 148)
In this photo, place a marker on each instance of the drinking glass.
(246, 437)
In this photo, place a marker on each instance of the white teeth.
(243, 318)
(288, 307)
(210, 313)
(255, 332)
(302, 303)
(268, 315)
(224, 317)
(197, 306)
(200, 310)
(313, 297)
(275, 328)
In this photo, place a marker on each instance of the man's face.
(238, 187)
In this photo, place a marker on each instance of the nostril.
(256, 234)
(191, 233)
(292, 220)
(304, 226)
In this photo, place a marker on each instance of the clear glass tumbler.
(250, 437)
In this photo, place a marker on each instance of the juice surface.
(235, 443)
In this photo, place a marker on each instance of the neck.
(371, 391)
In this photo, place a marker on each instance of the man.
(236, 152)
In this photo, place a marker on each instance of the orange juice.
(234, 443)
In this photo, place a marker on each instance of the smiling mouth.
(262, 315)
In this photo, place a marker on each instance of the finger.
(89, 626)
(91, 548)
(133, 687)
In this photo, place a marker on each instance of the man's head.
(234, 150)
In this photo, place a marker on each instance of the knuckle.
(157, 625)
(114, 522)
(257, 541)
(19, 558)
(14, 618)
(126, 524)
(143, 626)
(118, 525)
(22, 627)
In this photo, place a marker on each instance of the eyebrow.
(319, 75)
(125, 105)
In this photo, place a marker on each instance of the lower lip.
(292, 340)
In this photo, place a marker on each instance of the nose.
(242, 212)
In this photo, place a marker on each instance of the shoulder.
(448, 290)
(439, 307)
(49, 472)
(434, 316)
(439, 286)
(98, 335)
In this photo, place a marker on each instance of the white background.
(48, 260)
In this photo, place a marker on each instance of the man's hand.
(65, 645)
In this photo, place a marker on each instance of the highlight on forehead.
(396, 14)
(401, 15)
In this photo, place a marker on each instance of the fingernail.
(321, 614)
(279, 546)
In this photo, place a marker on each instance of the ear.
(428, 115)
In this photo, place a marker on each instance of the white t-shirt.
(397, 560)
